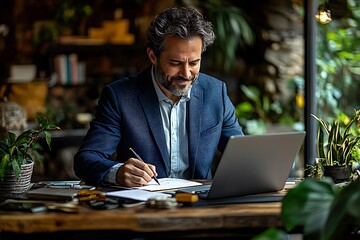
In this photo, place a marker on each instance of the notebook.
(253, 164)
(46, 193)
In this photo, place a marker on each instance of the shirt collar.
(161, 96)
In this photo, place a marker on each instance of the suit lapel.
(194, 110)
(150, 104)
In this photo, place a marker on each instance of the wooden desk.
(224, 221)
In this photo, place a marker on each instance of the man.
(174, 117)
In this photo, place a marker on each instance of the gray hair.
(181, 22)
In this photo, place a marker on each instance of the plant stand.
(12, 186)
(337, 173)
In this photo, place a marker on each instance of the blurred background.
(56, 55)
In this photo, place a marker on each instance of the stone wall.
(278, 54)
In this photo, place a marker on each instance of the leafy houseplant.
(14, 150)
(232, 30)
(340, 147)
(321, 210)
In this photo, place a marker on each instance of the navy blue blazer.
(128, 115)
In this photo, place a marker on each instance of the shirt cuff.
(110, 177)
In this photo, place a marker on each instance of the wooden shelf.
(108, 48)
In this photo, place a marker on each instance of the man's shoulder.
(131, 79)
(207, 80)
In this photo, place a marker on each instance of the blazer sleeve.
(93, 160)
(230, 125)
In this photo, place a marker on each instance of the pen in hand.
(139, 158)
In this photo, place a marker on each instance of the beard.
(167, 82)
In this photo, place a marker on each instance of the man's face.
(178, 66)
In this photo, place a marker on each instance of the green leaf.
(251, 92)
(48, 138)
(12, 137)
(266, 104)
(18, 156)
(308, 205)
(323, 124)
(24, 137)
(344, 212)
(346, 55)
(3, 148)
(271, 234)
(243, 109)
(321, 150)
(4, 166)
(234, 25)
(16, 167)
(50, 127)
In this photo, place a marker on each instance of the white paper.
(137, 194)
(168, 183)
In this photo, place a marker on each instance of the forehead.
(177, 47)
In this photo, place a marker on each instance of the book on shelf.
(69, 70)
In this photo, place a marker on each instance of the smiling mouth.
(182, 81)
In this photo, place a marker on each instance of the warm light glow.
(323, 15)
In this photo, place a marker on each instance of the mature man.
(173, 116)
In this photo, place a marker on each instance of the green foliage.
(253, 114)
(338, 63)
(14, 150)
(231, 27)
(355, 162)
(271, 234)
(324, 210)
(256, 114)
(301, 208)
(69, 12)
(340, 142)
(232, 31)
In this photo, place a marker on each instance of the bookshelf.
(84, 64)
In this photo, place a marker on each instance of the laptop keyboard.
(201, 191)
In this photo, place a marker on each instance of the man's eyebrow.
(180, 61)
(196, 60)
(175, 60)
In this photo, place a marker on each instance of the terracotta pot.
(337, 173)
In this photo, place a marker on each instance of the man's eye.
(174, 63)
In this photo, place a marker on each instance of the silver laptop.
(253, 164)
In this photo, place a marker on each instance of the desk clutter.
(74, 196)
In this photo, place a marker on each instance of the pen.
(138, 157)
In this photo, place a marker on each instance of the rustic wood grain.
(142, 219)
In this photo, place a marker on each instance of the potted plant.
(16, 162)
(337, 147)
(319, 209)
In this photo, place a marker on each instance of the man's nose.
(185, 71)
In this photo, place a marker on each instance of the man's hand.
(135, 173)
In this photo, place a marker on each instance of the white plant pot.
(12, 185)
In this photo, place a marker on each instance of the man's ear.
(151, 55)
